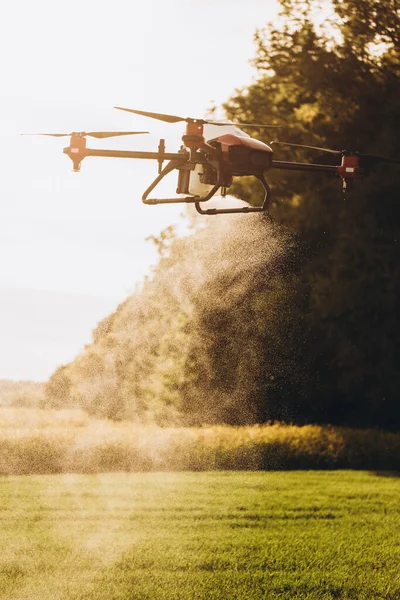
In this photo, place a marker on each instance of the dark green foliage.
(340, 95)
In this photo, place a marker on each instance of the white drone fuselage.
(211, 132)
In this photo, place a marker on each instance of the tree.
(342, 94)
(57, 393)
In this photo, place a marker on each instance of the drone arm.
(293, 166)
(133, 154)
(348, 170)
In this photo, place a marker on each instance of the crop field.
(312, 535)
(44, 442)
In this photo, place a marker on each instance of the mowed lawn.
(215, 535)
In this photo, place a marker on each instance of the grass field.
(221, 535)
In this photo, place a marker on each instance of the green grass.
(221, 535)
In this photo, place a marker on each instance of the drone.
(212, 154)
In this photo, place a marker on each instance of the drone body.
(230, 152)
(213, 153)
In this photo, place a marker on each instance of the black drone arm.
(293, 166)
(132, 154)
(349, 169)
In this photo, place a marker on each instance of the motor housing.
(76, 150)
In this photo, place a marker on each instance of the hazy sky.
(72, 246)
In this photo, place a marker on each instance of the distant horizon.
(34, 322)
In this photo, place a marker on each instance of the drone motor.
(77, 151)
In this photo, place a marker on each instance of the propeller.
(175, 119)
(95, 134)
(311, 147)
(368, 157)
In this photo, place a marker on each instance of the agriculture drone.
(214, 152)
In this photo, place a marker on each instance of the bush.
(42, 441)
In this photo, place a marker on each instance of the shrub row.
(89, 446)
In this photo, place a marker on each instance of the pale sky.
(72, 246)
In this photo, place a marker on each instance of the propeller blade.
(374, 158)
(368, 157)
(108, 134)
(175, 119)
(255, 125)
(95, 134)
(152, 115)
(309, 147)
(50, 134)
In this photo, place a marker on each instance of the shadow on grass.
(387, 473)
